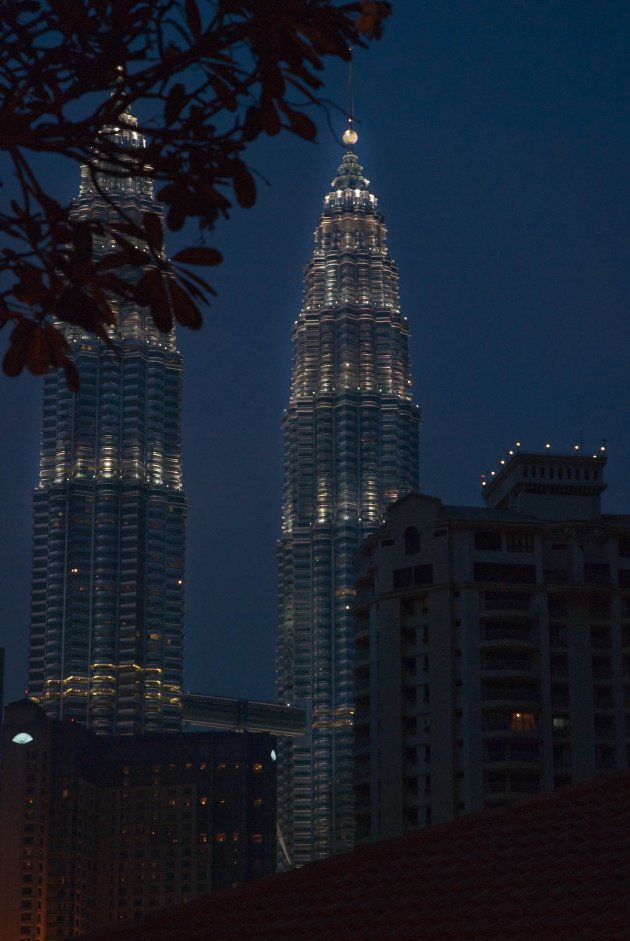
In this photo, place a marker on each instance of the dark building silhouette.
(492, 646)
(98, 829)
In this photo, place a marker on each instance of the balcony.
(497, 721)
(508, 664)
(504, 691)
(510, 785)
(506, 753)
(517, 634)
(555, 577)
(497, 603)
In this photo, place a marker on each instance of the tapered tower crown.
(109, 510)
(111, 177)
(350, 174)
(351, 448)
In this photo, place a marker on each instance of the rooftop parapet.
(548, 485)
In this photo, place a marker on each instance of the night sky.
(496, 136)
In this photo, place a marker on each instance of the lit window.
(560, 723)
(522, 722)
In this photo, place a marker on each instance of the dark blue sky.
(496, 136)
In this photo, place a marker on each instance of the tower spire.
(351, 441)
(109, 509)
(350, 136)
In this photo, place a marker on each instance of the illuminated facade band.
(351, 448)
(106, 643)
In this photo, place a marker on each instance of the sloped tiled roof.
(557, 867)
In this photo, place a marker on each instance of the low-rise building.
(98, 829)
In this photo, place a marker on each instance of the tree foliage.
(210, 76)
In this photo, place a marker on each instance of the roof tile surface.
(557, 867)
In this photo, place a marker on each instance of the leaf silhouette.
(208, 84)
(154, 229)
(192, 17)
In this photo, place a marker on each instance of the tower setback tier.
(106, 644)
(351, 449)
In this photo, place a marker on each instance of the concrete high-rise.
(106, 646)
(351, 448)
(492, 646)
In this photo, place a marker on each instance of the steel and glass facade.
(106, 645)
(351, 448)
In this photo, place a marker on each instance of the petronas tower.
(106, 646)
(351, 448)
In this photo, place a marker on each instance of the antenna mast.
(350, 136)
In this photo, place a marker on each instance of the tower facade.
(106, 646)
(351, 448)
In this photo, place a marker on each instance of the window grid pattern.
(351, 448)
(107, 602)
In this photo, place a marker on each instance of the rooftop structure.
(531, 482)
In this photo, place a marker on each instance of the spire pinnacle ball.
(349, 136)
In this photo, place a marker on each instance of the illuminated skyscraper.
(351, 448)
(106, 643)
